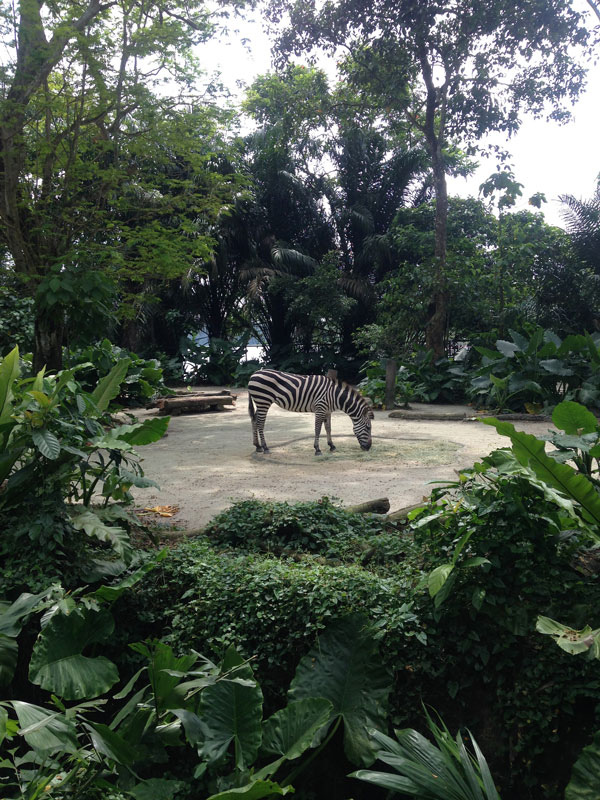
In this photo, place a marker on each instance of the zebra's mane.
(343, 385)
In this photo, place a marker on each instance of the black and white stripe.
(315, 393)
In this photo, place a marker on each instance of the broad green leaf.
(92, 524)
(507, 349)
(46, 442)
(387, 780)
(146, 432)
(252, 791)
(585, 778)
(345, 669)
(9, 651)
(438, 577)
(570, 640)
(9, 372)
(156, 789)
(290, 731)
(476, 561)
(11, 616)
(42, 399)
(45, 731)
(555, 366)
(111, 744)
(167, 692)
(108, 387)
(530, 452)
(573, 418)
(58, 664)
(113, 592)
(231, 713)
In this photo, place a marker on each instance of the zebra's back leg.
(328, 432)
(320, 417)
(261, 416)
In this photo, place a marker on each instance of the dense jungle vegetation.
(151, 228)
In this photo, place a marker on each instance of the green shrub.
(214, 363)
(269, 609)
(373, 385)
(144, 379)
(538, 368)
(58, 456)
(320, 528)
(475, 657)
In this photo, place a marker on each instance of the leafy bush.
(540, 369)
(373, 384)
(435, 381)
(143, 381)
(56, 452)
(473, 654)
(245, 370)
(321, 528)
(214, 713)
(214, 363)
(16, 321)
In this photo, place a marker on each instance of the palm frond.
(356, 287)
(292, 261)
(362, 218)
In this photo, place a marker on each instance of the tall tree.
(79, 121)
(455, 71)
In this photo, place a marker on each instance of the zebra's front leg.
(328, 432)
(319, 418)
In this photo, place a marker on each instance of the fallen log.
(193, 403)
(400, 413)
(379, 506)
(402, 513)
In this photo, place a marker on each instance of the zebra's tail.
(251, 408)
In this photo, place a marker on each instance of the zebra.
(316, 393)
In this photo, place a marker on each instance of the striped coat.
(315, 393)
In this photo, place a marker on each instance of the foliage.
(216, 363)
(373, 385)
(429, 771)
(214, 712)
(317, 528)
(56, 452)
(16, 321)
(107, 181)
(435, 380)
(538, 368)
(143, 381)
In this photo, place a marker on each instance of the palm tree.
(583, 225)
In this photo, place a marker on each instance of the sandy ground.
(207, 461)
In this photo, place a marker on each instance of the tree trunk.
(48, 338)
(435, 331)
(434, 129)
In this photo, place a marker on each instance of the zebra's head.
(361, 423)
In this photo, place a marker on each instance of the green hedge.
(476, 659)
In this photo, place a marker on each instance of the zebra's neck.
(348, 399)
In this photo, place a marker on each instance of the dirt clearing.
(207, 461)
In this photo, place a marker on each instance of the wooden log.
(379, 506)
(402, 513)
(436, 415)
(181, 405)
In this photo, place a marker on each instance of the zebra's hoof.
(318, 453)
(332, 447)
(266, 450)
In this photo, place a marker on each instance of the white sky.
(546, 157)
